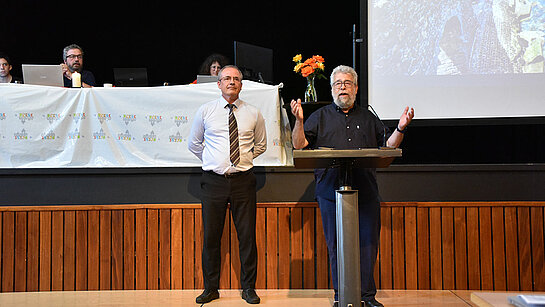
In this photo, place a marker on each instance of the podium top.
(366, 157)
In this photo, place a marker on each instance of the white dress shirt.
(209, 137)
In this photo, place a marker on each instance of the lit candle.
(76, 79)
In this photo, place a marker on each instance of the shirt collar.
(224, 102)
(338, 109)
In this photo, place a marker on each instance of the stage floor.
(269, 298)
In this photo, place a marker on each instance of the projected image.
(466, 37)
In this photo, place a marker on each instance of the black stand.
(346, 201)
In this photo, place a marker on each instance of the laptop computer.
(42, 74)
(131, 76)
(206, 78)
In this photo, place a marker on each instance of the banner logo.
(74, 135)
(177, 138)
(102, 117)
(52, 117)
(125, 136)
(182, 119)
(99, 135)
(150, 137)
(128, 118)
(2, 116)
(23, 117)
(78, 116)
(154, 119)
(23, 135)
(49, 136)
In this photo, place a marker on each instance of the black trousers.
(216, 192)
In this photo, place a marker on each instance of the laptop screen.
(131, 76)
(42, 74)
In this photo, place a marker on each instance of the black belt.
(231, 175)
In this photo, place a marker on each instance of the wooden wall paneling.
(140, 238)
(385, 254)
(153, 249)
(423, 248)
(128, 249)
(309, 265)
(69, 281)
(93, 250)
(199, 283)
(57, 250)
(498, 248)
(33, 251)
(511, 249)
(81, 250)
(272, 248)
(436, 263)
(296, 248)
(538, 247)
(178, 237)
(447, 233)
(524, 248)
(235, 257)
(473, 252)
(283, 248)
(117, 250)
(398, 248)
(20, 251)
(1, 247)
(8, 248)
(188, 246)
(261, 242)
(164, 249)
(460, 248)
(486, 250)
(45, 251)
(105, 250)
(322, 264)
(411, 267)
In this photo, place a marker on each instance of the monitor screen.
(255, 62)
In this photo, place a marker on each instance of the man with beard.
(73, 61)
(343, 125)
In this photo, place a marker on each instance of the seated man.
(5, 70)
(73, 61)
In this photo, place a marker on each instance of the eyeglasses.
(74, 56)
(346, 83)
(229, 78)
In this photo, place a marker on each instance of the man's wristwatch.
(401, 131)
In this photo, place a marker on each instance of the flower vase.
(310, 92)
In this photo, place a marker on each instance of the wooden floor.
(280, 298)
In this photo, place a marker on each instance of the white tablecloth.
(49, 127)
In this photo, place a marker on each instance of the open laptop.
(206, 78)
(131, 76)
(43, 74)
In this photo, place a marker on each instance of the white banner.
(49, 127)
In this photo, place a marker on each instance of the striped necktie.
(234, 149)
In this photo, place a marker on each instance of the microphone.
(260, 76)
(383, 126)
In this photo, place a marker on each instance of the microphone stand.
(383, 126)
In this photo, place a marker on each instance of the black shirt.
(330, 127)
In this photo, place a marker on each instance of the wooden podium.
(346, 201)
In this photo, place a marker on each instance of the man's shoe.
(372, 302)
(207, 296)
(250, 296)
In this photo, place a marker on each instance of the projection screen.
(457, 59)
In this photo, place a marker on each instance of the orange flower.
(318, 58)
(307, 71)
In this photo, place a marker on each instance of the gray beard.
(344, 105)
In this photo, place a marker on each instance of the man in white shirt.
(226, 135)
